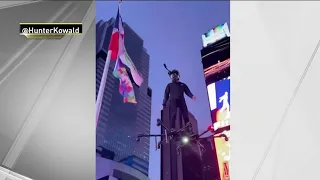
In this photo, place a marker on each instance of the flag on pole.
(116, 46)
(116, 36)
(121, 51)
(113, 52)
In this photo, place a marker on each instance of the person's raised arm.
(166, 95)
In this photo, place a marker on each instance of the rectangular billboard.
(215, 34)
(219, 100)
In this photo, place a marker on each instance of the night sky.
(172, 34)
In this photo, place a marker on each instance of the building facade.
(112, 170)
(186, 165)
(209, 160)
(137, 163)
(194, 123)
(216, 67)
(216, 60)
(119, 122)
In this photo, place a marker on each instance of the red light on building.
(211, 128)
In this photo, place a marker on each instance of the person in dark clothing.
(174, 93)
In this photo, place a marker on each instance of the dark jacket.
(176, 91)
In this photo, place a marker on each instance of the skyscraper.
(119, 122)
(137, 164)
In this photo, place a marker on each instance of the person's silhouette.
(225, 103)
(174, 93)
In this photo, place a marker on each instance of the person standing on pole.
(174, 93)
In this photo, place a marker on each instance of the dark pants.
(173, 108)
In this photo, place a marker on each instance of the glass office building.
(137, 163)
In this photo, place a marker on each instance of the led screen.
(215, 34)
(219, 100)
(216, 69)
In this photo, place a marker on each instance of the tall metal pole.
(102, 86)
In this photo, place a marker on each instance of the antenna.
(165, 66)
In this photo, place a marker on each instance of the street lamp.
(185, 140)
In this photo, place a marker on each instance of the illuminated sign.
(220, 124)
(215, 34)
(219, 94)
(219, 100)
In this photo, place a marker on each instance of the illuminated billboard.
(215, 34)
(219, 100)
(221, 68)
(216, 69)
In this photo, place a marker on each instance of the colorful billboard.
(219, 99)
(215, 34)
(216, 69)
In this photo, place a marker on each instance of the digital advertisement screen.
(215, 34)
(214, 69)
(219, 100)
(217, 72)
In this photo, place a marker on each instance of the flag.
(122, 52)
(116, 36)
(118, 49)
(119, 53)
(126, 60)
(125, 87)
